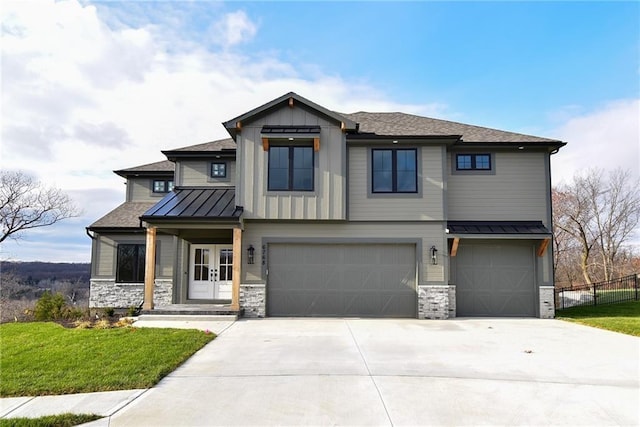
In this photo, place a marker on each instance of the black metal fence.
(609, 292)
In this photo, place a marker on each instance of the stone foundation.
(253, 300)
(547, 303)
(108, 293)
(436, 302)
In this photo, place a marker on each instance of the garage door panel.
(495, 279)
(342, 280)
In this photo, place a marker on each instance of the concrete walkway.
(397, 372)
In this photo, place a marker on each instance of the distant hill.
(34, 272)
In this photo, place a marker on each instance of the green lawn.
(63, 420)
(46, 358)
(622, 317)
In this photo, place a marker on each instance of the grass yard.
(44, 358)
(622, 317)
(63, 420)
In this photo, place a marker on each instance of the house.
(305, 211)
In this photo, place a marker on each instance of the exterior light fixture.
(250, 254)
(434, 255)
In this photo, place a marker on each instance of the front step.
(189, 317)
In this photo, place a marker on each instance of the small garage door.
(342, 280)
(495, 279)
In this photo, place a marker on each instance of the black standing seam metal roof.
(496, 227)
(201, 203)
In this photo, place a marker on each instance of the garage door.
(341, 280)
(495, 279)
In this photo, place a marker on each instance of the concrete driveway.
(400, 372)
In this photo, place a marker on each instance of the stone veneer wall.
(107, 293)
(253, 300)
(434, 302)
(547, 302)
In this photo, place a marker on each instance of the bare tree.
(596, 215)
(25, 204)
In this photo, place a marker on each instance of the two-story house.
(305, 211)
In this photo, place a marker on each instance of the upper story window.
(473, 162)
(130, 263)
(291, 168)
(394, 170)
(162, 185)
(218, 170)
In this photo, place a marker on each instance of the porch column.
(237, 262)
(150, 268)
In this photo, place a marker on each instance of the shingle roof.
(218, 145)
(126, 215)
(496, 227)
(190, 203)
(163, 166)
(401, 124)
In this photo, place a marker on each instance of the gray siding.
(425, 234)
(196, 173)
(327, 201)
(141, 190)
(426, 205)
(517, 190)
(106, 253)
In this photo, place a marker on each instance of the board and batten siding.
(427, 205)
(427, 234)
(516, 192)
(196, 173)
(106, 253)
(326, 202)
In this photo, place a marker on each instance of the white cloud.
(234, 28)
(91, 89)
(606, 138)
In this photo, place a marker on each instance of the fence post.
(635, 281)
(594, 295)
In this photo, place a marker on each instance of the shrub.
(109, 311)
(102, 324)
(132, 311)
(49, 307)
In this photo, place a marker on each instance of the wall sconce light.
(250, 254)
(434, 255)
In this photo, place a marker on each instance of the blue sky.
(113, 83)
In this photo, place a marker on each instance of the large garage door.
(374, 280)
(495, 279)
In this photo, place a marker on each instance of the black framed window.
(130, 263)
(218, 170)
(394, 170)
(162, 185)
(480, 162)
(291, 168)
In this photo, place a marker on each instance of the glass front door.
(211, 272)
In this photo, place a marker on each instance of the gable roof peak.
(291, 98)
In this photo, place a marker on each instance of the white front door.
(211, 269)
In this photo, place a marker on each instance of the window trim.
(394, 171)
(291, 148)
(138, 270)
(473, 171)
(166, 184)
(218, 162)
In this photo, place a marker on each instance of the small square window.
(218, 170)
